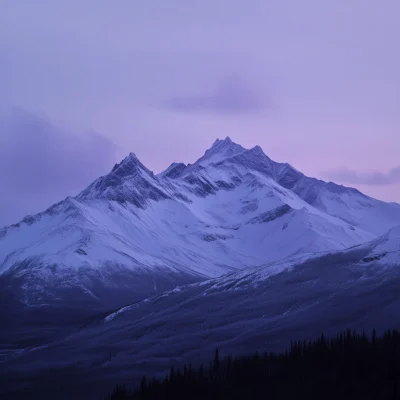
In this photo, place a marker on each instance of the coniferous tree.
(216, 361)
(349, 367)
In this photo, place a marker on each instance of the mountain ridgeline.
(141, 271)
(138, 234)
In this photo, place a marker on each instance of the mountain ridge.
(133, 161)
(234, 208)
(257, 309)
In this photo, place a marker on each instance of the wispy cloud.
(232, 96)
(41, 163)
(364, 177)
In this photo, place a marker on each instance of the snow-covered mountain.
(232, 209)
(366, 261)
(258, 309)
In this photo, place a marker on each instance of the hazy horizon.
(315, 85)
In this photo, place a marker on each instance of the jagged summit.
(129, 168)
(128, 182)
(234, 208)
(218, 141)
(131, 156)
(129, 165)
(220, 150)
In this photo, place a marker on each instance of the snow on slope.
(219, 151)
(380, 255)
(385, 250)
(233, 209)
(260, 309)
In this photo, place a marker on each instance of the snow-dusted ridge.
(231, 210)
(382, 253)
(256, 309)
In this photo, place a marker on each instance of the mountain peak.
(257, 150)
(129, 169)
(128, 165)
(219, 151)
(226, 141)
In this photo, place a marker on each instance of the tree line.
(350, 366)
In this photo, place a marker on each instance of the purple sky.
(314, 83)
